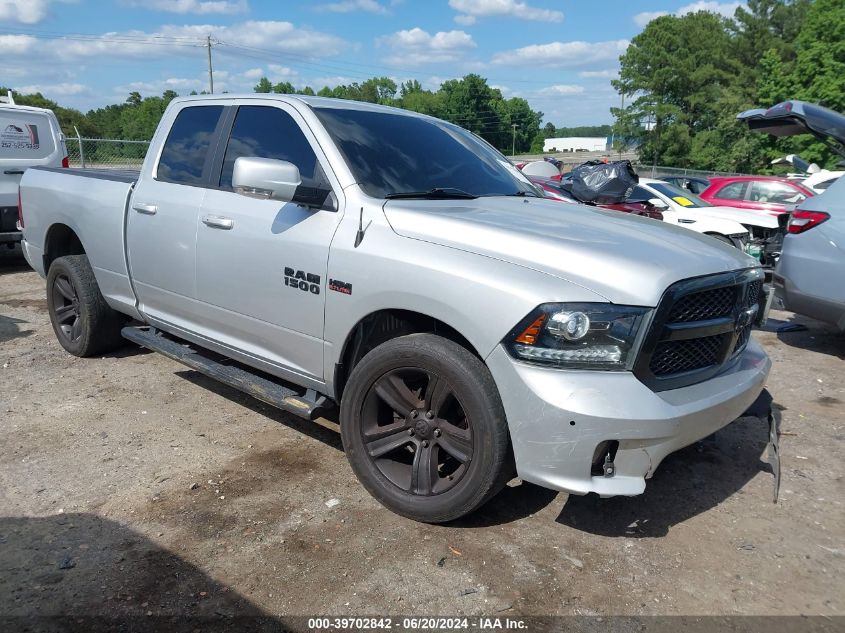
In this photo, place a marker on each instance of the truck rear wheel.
(424, 428)
(82, 320)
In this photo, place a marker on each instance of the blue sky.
(560, 56)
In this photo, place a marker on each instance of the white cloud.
(59, 89)
(277, 73)
(348, 6)
(23, 11)
(198, 7)
(179, 84)
(600, 74)
(254, 73)
(509, 8)
(726, 9)
(562, 90)
(416, 46)
(173, 40)
(17, 44)
(641, 19)
(563, 54)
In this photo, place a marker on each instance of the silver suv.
(810, 275)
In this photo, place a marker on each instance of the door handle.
(14, 172)
(218, 222)
(146, 209)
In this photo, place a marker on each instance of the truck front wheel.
(82, 320)
(424, 428)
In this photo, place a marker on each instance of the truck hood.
(626, 259)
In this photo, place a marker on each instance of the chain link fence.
(103, 153)
(658, 171)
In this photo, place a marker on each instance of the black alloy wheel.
(416, 432)
(66, 310)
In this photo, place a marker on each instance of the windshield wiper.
(438, 192)
(522, 194)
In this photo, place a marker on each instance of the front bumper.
(558, 418)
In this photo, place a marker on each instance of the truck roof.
(313, 102)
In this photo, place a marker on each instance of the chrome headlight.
(578, 335)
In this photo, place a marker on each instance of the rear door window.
(268, 132)
(186, 150)
(733, 191)
(25, 136)
(772, 192)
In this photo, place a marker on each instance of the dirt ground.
(132, 485)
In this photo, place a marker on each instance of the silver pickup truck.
(319, 253)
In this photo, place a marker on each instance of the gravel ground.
(132, 486)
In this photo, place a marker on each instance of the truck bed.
(93, 204)
(118, 175)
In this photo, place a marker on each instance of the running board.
(309, 405)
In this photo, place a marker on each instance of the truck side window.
(267, 132)
(187, 145)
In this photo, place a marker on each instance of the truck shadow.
(687, 483)
(814, 336)
(10, 329)
(80, 571)
(12, 261)
(314, 430)
(511, 504)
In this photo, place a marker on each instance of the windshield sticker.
(684, 202)
(16, 137)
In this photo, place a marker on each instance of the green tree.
(676, 70)
(284, 88)
(264, 85)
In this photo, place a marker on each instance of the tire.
(83, 322)
(424, 429)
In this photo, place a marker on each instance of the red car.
(551, 189)
(765, 193)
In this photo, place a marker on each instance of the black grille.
(752, 293)
(742, 340)
(675, 357)
(699, 326)
(710, 304)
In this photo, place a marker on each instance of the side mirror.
(657, 203)
(266, 178)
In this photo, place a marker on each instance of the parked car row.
(793, 225)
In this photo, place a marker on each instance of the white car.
(810, 175)
(29, 137)
(819, 181)
(762, 233)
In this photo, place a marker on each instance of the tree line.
(508, 124)
(685, 78)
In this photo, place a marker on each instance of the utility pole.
(513, 146)
(210, 69)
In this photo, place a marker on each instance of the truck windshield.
(401, 156)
